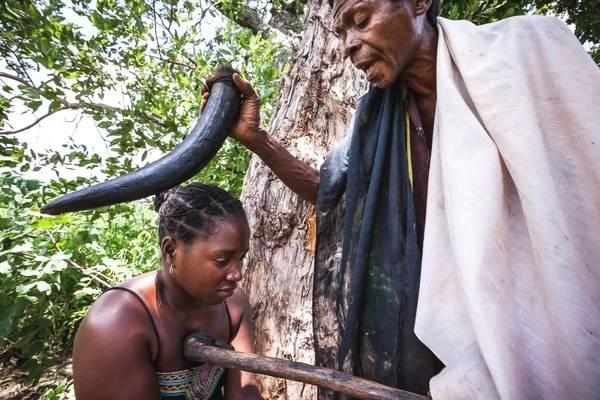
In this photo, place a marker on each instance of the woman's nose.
(234, 275)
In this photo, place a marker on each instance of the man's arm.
(295, 174)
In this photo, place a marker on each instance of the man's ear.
(168, 247)
(421, 6)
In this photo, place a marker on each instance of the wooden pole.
(197, 349)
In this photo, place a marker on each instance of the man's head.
(382, 37)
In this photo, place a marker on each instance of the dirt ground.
(14, 384)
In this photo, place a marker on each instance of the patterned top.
(198, 383)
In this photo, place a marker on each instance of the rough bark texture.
(312, 115)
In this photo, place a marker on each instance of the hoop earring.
(171, 269)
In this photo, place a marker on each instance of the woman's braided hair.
(190, 212)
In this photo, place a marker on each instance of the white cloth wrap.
(510, 285)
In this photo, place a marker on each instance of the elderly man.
(492, 132)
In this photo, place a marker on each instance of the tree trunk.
(313, 112)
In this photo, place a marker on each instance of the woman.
(130, 345)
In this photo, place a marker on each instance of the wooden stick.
(338, 381)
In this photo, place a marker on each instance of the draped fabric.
(366, 290)
(510, 283)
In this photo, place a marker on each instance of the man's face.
(380, 36)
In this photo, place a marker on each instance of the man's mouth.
(365, 65)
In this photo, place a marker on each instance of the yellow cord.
(408, 151)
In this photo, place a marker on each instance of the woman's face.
(209, 268)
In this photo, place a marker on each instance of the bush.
(53, 268)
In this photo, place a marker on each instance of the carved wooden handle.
(338, 381)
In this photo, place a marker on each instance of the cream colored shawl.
(510, 284)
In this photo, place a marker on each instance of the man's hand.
(246, 129)
(296, 174)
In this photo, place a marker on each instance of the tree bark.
(312, 114)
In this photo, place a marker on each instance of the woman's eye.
(222, 261)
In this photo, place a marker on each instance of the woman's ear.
(168, 246)
(421, 6)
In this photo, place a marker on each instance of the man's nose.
(351, 45)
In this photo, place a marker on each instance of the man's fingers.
(204, 88)
(245, 87)
(205, 97)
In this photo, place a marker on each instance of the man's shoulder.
(509, 41)
(507, 25)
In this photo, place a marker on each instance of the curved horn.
(183, 162)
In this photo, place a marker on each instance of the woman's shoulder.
(122, 306)
(114, 347)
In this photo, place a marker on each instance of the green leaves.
(484, 11)
(53, 268)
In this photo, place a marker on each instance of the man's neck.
(419, 75)
(420, 78)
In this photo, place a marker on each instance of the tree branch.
(245, 17)
(248, 17)
(172, 62)
(20, 61)
(156, 30)
(67, 105)
(18, 79)
(37, 121)
(166, 28)
(147, 114)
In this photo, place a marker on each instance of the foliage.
(483, 11)
(52, 268)
(135, 67)
(153, 55)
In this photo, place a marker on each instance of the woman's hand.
(246, 129)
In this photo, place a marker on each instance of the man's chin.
(380, 79)
(381, 83)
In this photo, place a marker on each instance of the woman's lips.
(228, 289)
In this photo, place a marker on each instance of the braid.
(189, 212)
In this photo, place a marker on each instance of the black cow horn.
(183, 162)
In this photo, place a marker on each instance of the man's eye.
(362, 22)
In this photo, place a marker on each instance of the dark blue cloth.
(379, 271)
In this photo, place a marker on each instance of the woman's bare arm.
(241, 385)
(111, 354)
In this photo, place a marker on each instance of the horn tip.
(49, 210)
